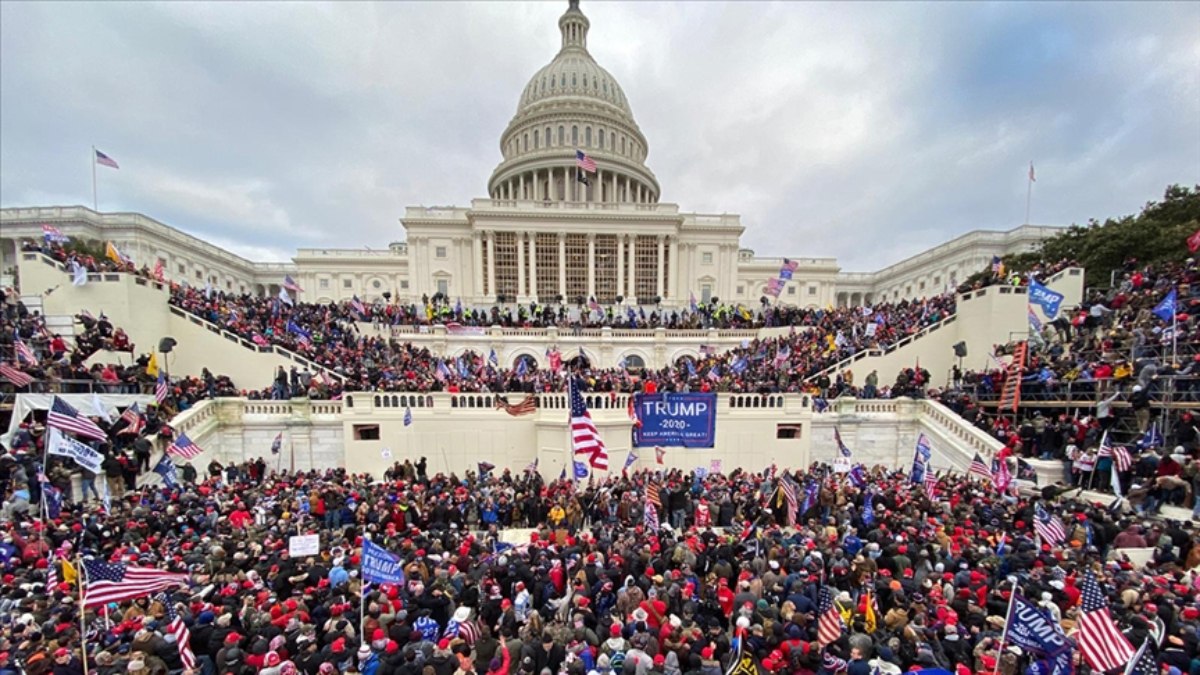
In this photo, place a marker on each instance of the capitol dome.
(573, 105)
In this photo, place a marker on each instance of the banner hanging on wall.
(676, 420)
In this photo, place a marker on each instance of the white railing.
(886, 349)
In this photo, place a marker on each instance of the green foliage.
(1156, 235)
(90, 247)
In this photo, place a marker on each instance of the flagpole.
(94, 206)
(1012, 596)
(1029, 193)
(81, 578)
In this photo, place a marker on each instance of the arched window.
(573, 80)
(634, 362)
(537, 139)
(560, 135)
(587, 136)
(622, 145)
(525, 143)
(548, 137)
(600, 137)
(575, 136)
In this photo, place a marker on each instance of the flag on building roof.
(161, 388)
(1103, 645)
(184, 447)
(1048, 527)
(585, 439)
(979, 468)
(104, 160)
(117, 582)
(584, 162)
(64, 417)
(290, 284)
(829, 619)
(18, 378)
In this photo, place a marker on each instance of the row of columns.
(527, 285)
(543, 185)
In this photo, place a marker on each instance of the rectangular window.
(706, 293)
(404, 284)
(706, 257)
(199, 275)
(788, 431)
(646, 268)
(366, 432)
(606, 268)
(347, 283)
(439, 252)
(443, 286)
(547, 267)
(812, 290)
(182, 269)
(323, 284)
(577, 266)
(741, 290)
(506, 264)
(791, 290)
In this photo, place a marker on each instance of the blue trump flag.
(166, 469)
(1045, 298)
(1035, 631)
(1165, 310)
(868, 509)
(380, 566)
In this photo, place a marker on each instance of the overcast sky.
(863, 131)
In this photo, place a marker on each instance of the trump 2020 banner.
(676, 420)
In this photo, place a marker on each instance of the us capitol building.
(541, 233)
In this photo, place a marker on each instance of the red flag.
(1193, 242)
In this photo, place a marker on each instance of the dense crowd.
(599, 587)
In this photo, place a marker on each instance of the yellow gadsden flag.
(869, 620)
(152, 366)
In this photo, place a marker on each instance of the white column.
(673, 281)
(591, 264)
(612, 195)
(632, 267)
(521, 191)
(621, 264)
(491, 270)
(477, 258)
(562, 264)
(659, 285)
(533, 283)
(520, 266)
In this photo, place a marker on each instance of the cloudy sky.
(863, 131)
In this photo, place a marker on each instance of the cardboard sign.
(304, 545)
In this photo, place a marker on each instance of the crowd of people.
(720, 569)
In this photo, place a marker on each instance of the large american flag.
(652, 495)
(585, 439)
(1048, 527)
(1120, 454)
(650, 519)
(930, 482)
(584, 162)
(528, 405)
(979, 468)
(183, 636)
(62, 416)
(15, 376)
(184, 447)
(829, 619)
(1103, 645)
(53, 234)
(104, 160)
(115, 582)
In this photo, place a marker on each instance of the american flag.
(1144, 662)
(1120, 454)
(184, 447)
(527, 405)
(829, 619)
(358, 306)
(584, 162)
(789, 496)
(290, 284)
(24, 353)
(533, 466)
(63, 416)
(134, 422)
(160, 389)
(979, 468)
(1102, 644)
(585, 439)
(116, 582)
(930, 482)
(652, 495)
(1000, 474)
(183, 636)
(277, 444)
(1048, 527)
(15, 376)
(104, 160)
(53, 234)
